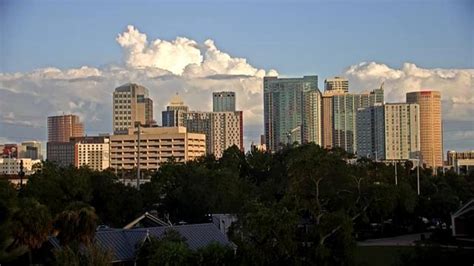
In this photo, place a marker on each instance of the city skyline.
(205, 66)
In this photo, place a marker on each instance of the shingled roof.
(124, 243)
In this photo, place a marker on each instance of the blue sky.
(295, 38)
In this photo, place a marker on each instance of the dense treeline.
(302, 205)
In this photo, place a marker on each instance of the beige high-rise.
(336, 84)
(222, 129)
(431, 130)
(131, 104)
(93, 151)
(402, 131)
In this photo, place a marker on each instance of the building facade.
(336, 84)
(222, 129)
(175, 112)
(327, 117)
(284, 107)
(461, 162)
(157, 145)
(61, 153)
(452, 156)
(9, 150)
(312, 103)
(62, 127)
(431, 133)
(223, 101)
(402, 131)
(344, 112)
(93, 152)
(131, 104)
(370, 132)
(11, 166)
(31, 149)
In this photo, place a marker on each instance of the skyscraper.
(344, 113)
(222, 129)
(402, 131)
(62, 127)
(174, 114)
(336, 84)
(285, 101)
(370, 132)
(312, 117)
(223, 101)
(431, 135)
(327, 117)
(131, 104)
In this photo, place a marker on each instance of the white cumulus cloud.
(456, 85)
(194, 70)
(182, 56)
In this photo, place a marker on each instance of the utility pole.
(418, 177)
(396, 176)
(21, 174)
(138, 158)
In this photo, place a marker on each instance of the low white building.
(11, 166)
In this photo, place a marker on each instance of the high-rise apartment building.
(431, 134)
(327, 117)
(285, 102)
(62, 127)
(157, 145)
(222, 129)
(92, 151)
(344, 112)
(370, 132)
(223, 101)
(402, 131)
(174, 114)
(336, 84)
(131, 104)
(312, 117)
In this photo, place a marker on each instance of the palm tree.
(77, 223)
(32, 225)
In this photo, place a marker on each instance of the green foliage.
(267, 235)
(214, 255)
(32, 224)
(76, 224)
(91, 255)
(300, 205)
(8, 206)
(435, 255)
(58, 187)
(170, 249)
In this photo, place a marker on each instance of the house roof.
(146, 218)
(124, 243)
